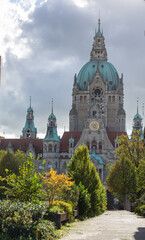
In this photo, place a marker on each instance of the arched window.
(109, 99)
(81, 98)
(55, 148)
(94, 144)
(100, 145)
(50, 148)
(113, 99)
(28, 133)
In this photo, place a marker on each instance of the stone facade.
(96, 118)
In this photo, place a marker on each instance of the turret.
(29, 130)
(98, 50)
(51, 142)
(137, 122)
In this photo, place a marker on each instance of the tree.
(27, 186)
(11, 161)
(141, 176)
(55, 183)
(122, 178)
(81, 169)
(132, 148)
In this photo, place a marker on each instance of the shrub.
(17, 220)
(47, 229)
(63, 206)
(142, 199)
(140, 210)
(70, 196)
(84, 204)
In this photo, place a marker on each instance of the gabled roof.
(113, 135)
(65, 140)
(22, 144)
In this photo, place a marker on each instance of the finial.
(30, 101)
(99, 25)
(137, 104)
(99, 22)
(52, 106)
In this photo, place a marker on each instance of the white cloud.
(44, 43)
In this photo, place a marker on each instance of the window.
(94, 113)
(109, 99)
(50, 148)
(100, 145)
(94, 144)
(113, 99)
(55, 148)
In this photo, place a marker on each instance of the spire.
(52, 106)
(98, 49)
(30, 101)
(137, 105)
(29, 130)
(99, 24)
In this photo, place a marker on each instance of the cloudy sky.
(43, 43)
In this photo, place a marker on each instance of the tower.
(29, 130)
(97, 112)
(51, 144)
(98, 91)
(137, 122)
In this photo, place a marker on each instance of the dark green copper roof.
(106, 70)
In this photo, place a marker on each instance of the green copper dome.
(52, 116)
(106, 70)
(30, 109)
(137, 116)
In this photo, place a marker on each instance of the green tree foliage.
(84, 204)
(27, 186)
(132, 148)
(81, 169)
(11, 161)
(122, 178)
(141, 176)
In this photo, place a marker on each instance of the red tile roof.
(65, 140)
(22, 144)
(113, 135)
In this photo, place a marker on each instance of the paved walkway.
(112, 225)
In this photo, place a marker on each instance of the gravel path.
(112, 225)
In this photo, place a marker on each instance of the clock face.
(94, 125)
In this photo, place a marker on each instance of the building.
(96, 118)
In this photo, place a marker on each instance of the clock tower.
(98, 104)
